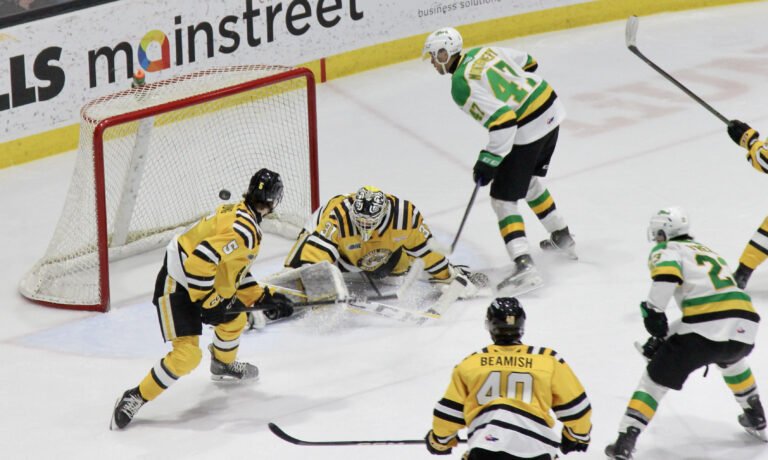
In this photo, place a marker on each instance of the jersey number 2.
(519, 386)
(716, 266)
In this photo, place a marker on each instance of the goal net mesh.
(168, 149)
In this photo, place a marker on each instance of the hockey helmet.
(448, 39)
(668, 223)
(369, 208)
(505, 320)
(266, 188)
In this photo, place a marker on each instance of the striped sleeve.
(249, 291)
(200, 269)
(665, 265)
(417, 245)
(317, 248)
(570, 402)
(758, 156)
(448, 416)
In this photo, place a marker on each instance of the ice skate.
(624, 446)
(236, 370)
(125, 408)
(753, 419)
(525, 278)
(560, 241)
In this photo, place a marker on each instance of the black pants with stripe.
(682, 354)
(522, 163)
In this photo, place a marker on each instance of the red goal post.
(153, 159)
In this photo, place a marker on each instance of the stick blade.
(631, 31)
(282, 434)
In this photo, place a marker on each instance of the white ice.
(632, 144)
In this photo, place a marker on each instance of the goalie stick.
(277, 431)
(361, 304)
(631, 40)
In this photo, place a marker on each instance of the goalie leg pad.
(320, 281)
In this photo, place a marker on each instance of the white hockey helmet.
(668, 223)
(448, 39)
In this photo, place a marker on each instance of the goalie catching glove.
(276, 305)
(440, 446)
(742, 133)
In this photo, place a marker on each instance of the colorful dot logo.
(155, 36)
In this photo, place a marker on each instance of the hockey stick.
(356, 304)
(466, 214)
(631, 39)
(277, 431)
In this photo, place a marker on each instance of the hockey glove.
(219, 313)
(280, 305)
(742, 133)
(655, 322)
(435, 447)
(650, 347)
(569, 444)
(485, 167)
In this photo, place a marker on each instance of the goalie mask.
(505, 320)
(668, 223)
(265, 189)
(369, 208)
(442, 45)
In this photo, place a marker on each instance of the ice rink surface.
(632, 143)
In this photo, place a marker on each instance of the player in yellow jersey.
(498, 88)
(379, 235)
(756, 250)
(718, 326)
(206, 279)
(503, 395)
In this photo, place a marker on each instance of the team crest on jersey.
(374, 259)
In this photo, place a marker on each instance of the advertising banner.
(50, 68)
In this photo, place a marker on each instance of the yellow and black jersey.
(401, 236)
(212, 259)
(758, 156)
(504, 394)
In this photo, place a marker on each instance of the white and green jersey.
(704, 289)
(496, 87)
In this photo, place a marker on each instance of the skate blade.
(233, 380)
(519, 284)
(759, 434)
(112, 423)
(549, 246)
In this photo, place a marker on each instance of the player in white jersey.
(756, 251)
(497, 87)
(718, 326)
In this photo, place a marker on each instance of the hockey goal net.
(153, 160)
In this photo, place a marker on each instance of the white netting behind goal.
(168, 149)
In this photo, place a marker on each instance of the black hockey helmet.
(266, 188)
(505, 320)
